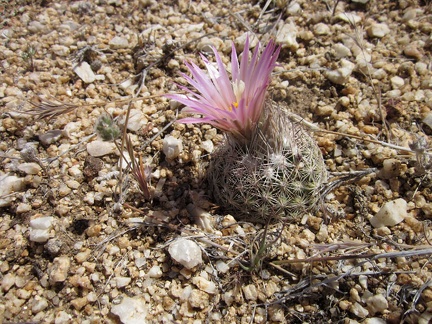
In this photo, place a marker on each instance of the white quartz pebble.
(392, 213)
(185, 252)
(172, 147)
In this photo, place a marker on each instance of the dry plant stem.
(44, 108)
(182, 230)
(364, 138)
(358, 39)
(371, 256)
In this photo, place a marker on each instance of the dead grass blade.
(140, 172)
(47, 109)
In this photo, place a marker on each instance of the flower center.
(238, 89)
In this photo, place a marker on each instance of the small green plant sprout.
(107, 128)
(269, 167)
(27, 56)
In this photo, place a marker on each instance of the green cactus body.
(278, 175)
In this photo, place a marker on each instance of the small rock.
(377, 304)
(82, 256)
(374, 320)
(198, 299)
(204, 285)
(136, 120)
(321, 29)
(409, 14)
(131, 310)
(293, 8)
(79, 303)
(341, 51)
(8, 281)
(85, 72)
(92, 166)
(392, 213)
(29, 168)
(122, 281)
(59, 269)
(39, 305)
(53, 246)
(60, 50)
(62, 317)
(8, 185)
(37, 27)
(397, 82)
(358, 310)
(185, 252)
(155, 272)
(378, 30)
(118, 43)
(100, 148)
(428, 119)
(40, 229)
(250, 292)
(411, 50)
(23, 208)
(287, 36)
(172, 147)
(342, 74)
(50, 137)
(208, 146)
(349, 17)
(324, 110)
(221, 266)
(64, 190)
(391, 169)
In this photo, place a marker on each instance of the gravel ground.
(78, 246)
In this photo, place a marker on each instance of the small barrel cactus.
(269, 168)
(277, 176)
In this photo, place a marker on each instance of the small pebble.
(122, 281)
(100, 148)
(84, 72)
(53, 246)
(131, 310)
(155, 272)
(186, 252)
(118, 43)
(29, 168)
(377, 304)
(378, 30)
(39, 305)
(358, 310)
(397, 82)
(204, 285)
(392, 213)
(287, 36)
(40, 229)
(342, 74)
(8, 185)
(412, 50)
(172, 147)
(59, 269)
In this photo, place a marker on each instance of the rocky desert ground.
(82, 240)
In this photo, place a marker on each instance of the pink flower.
(233, 105)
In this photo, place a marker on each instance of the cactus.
(269, 168)
(278, 175)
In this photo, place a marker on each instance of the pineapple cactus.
(277, 176)
(269, 167)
